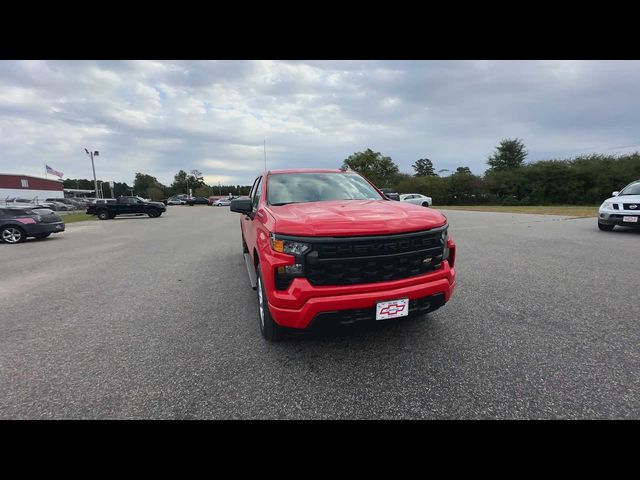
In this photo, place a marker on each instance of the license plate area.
(630, 219)
(392, 309)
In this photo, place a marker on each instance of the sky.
(158, 117)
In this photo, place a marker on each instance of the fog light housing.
(296, 269)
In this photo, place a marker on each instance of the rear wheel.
(104, 215)
(270, 330)
(604, 227)
(12, 234)
(425, 204)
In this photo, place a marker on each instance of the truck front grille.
(357, 260)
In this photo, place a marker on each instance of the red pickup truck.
(327, 245)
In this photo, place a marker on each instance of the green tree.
(424, 168)
(509, 154)
(179, 184)
(148, 186)
(464, 170)
(380, 170)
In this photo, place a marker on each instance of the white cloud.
(160, 117)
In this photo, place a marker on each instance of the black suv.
(16, 224)
(390, 193)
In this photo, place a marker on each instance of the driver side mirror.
(241, 205)
(615, 194)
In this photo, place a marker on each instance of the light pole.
(95, 182)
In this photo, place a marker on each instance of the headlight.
(289, 246)
(606, 206)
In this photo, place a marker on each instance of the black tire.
(12, 234)
(43, 235)
(153, 213)
(104, 215)
(269, 329)
(604, 227)
(425, 204)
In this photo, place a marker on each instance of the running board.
(253, 279)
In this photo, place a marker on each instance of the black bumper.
(419, 306)
(42, 228)
(616, 219)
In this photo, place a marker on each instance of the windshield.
(316, 187)
(633, 189)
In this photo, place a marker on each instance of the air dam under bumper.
(617, 219)
(304, 317)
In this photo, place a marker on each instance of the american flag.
(53, 172)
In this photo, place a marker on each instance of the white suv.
(621, 209)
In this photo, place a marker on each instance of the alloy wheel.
(11, 235)
(261, 303)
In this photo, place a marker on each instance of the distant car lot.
(543, 324)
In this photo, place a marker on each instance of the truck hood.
(625, 199)
(353, 218)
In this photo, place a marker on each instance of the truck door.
(249, 223)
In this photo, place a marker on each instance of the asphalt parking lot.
(154, 318)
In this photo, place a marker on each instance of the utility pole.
(95, 182)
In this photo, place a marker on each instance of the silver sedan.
(417, 199)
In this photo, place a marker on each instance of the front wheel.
(270, 330)
(104, 215)
(153, 213)
(605, 227)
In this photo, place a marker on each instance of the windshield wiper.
(282, 203)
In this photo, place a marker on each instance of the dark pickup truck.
(107, 209)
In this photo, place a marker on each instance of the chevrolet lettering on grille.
(378, 248)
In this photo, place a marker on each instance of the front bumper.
(317, 307)
(616, 219)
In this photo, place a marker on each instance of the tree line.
(148, 186)
(508, 180)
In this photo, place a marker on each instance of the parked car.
(222, 202)
(70, 204)
(17, 224)
(322, 245)
(622, 209)
(198, 201)
(109, 208)
(416, 199)
(390, 193)
(176, 201)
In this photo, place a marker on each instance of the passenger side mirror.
(615, 194)
(241, 205)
